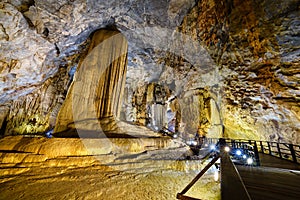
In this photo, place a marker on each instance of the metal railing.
(231, 182)
(230, 178)
(284, 151)
(290, 152)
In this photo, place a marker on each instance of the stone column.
(94, 99)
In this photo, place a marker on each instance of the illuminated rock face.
(249, 68)
(35, 113)
(157, 107)
(255, 44)
(97, 89)
(43, 41)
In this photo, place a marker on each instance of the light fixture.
(238, 152)
(244, 156)
(216, 175)
(212, 147)
(227, 149)
(249, 161)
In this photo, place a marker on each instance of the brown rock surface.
(255, 45)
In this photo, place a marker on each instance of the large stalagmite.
(94, 99)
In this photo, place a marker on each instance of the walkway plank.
(232, 186)
(271, 183)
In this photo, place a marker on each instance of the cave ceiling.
(53, 31)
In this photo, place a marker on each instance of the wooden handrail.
(231, 181)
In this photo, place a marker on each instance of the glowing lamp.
(227, 149)
(238, 152)
(216, 176)
(249, 161)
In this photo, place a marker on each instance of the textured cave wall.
(149, 106)
(157, 107)
(246, 58)
(36, 113)
(40, 38)
(263, 86)
(95, 96)
(256, 46)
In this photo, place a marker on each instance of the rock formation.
(94, 99)
(254, 44)
(226, 62)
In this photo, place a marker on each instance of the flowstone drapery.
(94, 99)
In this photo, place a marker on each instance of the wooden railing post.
(293, 153)
(256, 154)
(279, 151)
(270, 150)
(261, 147)
(181, 194)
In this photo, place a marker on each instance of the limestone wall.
(254, 44)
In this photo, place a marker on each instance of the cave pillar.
(94, 98)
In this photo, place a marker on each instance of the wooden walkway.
(271, 161)
(267, 183)
(273, 179)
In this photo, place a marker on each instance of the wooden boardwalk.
(274, 179)
(267, 183)
(272, 161)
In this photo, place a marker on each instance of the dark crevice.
(24, 8)
(3, 127)
(46, 32)
(13, 151)
(30, 24)
(57, 49)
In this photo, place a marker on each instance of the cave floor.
(99, 182)
(118, 168)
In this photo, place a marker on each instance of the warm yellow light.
(227, 149)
